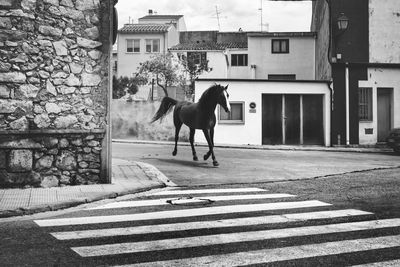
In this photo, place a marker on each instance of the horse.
(200, 115)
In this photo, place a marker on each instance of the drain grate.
(190, 201)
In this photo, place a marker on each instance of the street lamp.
(342, 22)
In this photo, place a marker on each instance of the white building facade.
(266, 112)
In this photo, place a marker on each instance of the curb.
(73, 203)
(357, 149)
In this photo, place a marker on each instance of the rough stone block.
(21, 124)
(44, 163)
(6, 3)
(87, 43)
(4, 91)
(89, 79)
(65, 121)
(22, 143)
(61, 48)
(66, 161)
(12, 77)
(27, 91)
(20, 160)
(28, 4)
(49, 181)
(48, 30)
(42, 120)
(12, 35)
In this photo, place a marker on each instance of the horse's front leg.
(210, 146)
(191, 139)
(208, 154)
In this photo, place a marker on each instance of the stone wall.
(54, 57)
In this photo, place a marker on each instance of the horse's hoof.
(215, 163)
(174, 153)
(195, 158)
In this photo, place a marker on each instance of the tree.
(124, 85)
(163, 68)
(194, 64)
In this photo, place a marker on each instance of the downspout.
(347, 104)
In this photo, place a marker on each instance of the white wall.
(380, 78)
(300, 60)
(251, 91)
(238, 72)
(216, 61)
(384, 33)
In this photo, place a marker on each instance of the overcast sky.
(234, 14)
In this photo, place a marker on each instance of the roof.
(130, 28)
(261, 80)
(282, 34)
(162, 17)
(208, 46)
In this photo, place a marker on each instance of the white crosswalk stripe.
(246, 223)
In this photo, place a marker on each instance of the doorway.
(292, 119)
(384, 112)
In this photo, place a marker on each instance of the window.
(235, 116)
(281, 76)
(280, 46)
(152, 45)
(365, 104)
(239, 59)
(197, 57)
(133, 45)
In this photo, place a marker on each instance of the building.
(138, 42)
(251, 55)
(363, 61)
(272, 112)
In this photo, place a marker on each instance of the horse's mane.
(207, 93)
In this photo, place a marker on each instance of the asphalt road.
(250, 165)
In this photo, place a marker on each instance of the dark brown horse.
(200, 115)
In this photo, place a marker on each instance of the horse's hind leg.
(178, 126)
(191, 139)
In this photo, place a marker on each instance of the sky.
(201, 15)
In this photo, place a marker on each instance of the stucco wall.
(216, 61)
(251, 91)
(384, 34)
(320, 25)
(53, 91)
(299, 60)
(238, 72)
(129, 62)
(380, 78)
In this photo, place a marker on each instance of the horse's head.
(223, 98)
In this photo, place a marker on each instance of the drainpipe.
(347, 105)
(253, 72)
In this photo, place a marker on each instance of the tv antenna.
(261, 17)
(217, 13)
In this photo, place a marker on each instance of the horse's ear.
(226, 87)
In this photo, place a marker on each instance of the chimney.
(150, 11)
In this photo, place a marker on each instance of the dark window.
(152, 45)
(235, 116)
(239, 59)
(365, 104)
(197, 57)
(132, 45)
(281, 76)
(280, 46)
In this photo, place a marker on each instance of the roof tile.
(208, 46)
(132, 28)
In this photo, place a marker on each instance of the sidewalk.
(128, 177)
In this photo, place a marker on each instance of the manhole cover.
(190, 201)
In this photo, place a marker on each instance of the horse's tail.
(166, 105)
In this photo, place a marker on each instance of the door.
(384, 113)
(313, 127)
(271, 119)
(292, 119)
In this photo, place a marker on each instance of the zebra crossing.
(236, 226)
